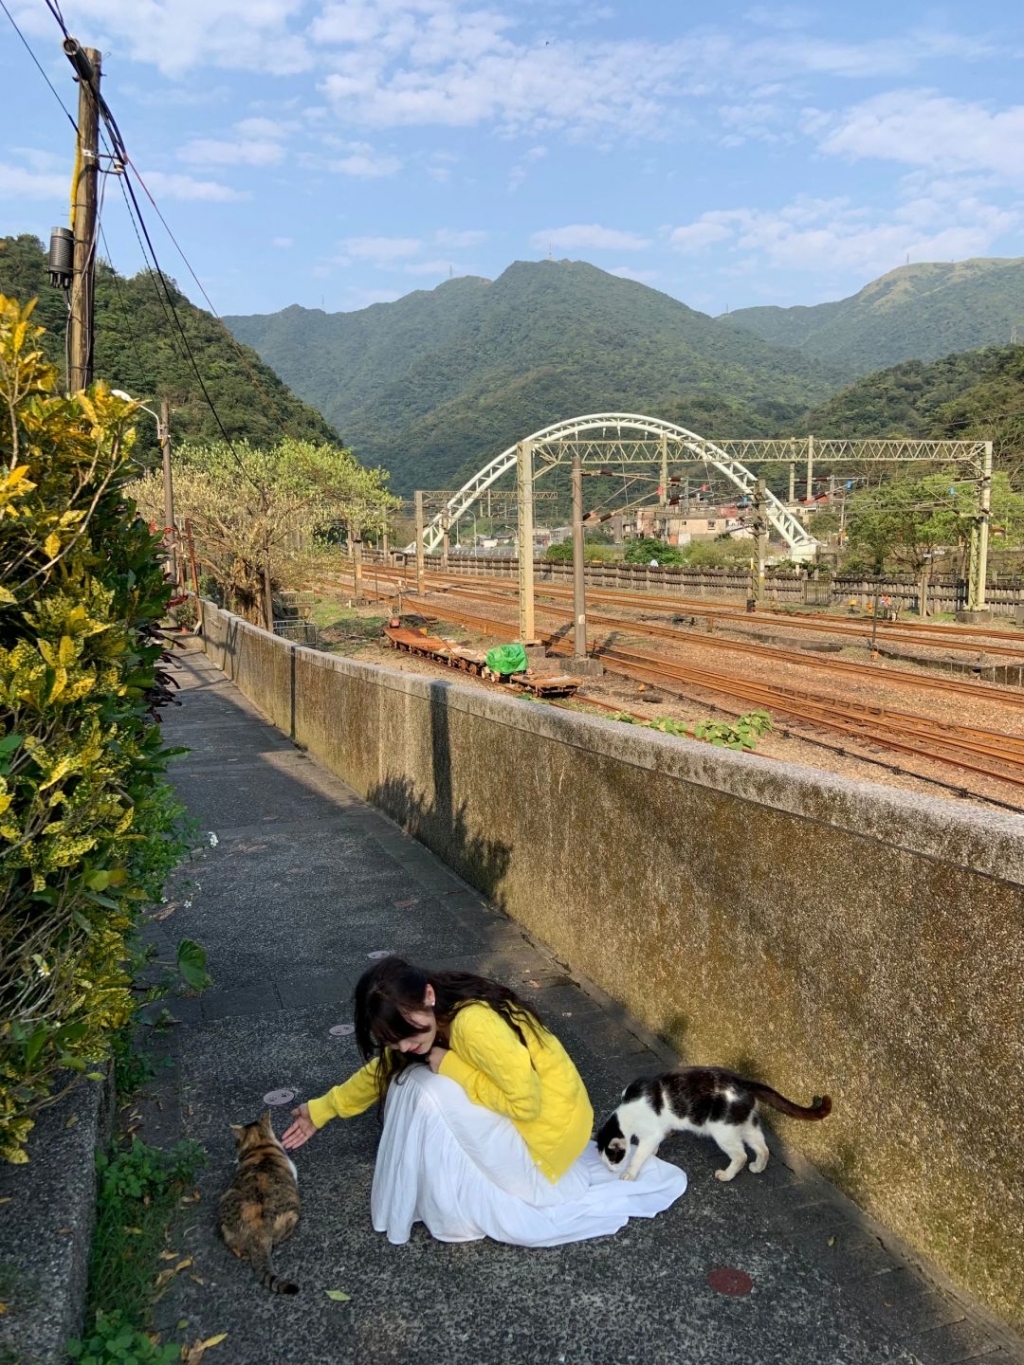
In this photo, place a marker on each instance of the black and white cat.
(696, 1099)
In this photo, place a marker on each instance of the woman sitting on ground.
(486, 1120)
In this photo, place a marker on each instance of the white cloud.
(382, 250)
(588, 236)
(455, 240)
(366, 166)
(833, 236)
(245, 152)
(283, 242)
(696, 236)
(178, 35)
(779, 16)
(257, 142)
(18, 183)
(924, 128)
(167, 186)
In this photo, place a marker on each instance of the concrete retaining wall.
(818, 933)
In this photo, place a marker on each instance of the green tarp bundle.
(506, 659)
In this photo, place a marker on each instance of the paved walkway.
(305, 884)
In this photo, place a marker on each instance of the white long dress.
(466, 1173)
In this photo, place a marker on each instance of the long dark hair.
(393, 989)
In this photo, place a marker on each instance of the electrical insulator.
(62, 257)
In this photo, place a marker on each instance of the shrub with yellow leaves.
(88, 829)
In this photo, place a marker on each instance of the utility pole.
(418, 496)
(579, 600)
(195, 573)
(356, 546)
(761, 524)
(976, 590)
(268, 582)
(170, 527)
(86, 62)
(524, 492)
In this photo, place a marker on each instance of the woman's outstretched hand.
(301, 1130)
(435, 1057)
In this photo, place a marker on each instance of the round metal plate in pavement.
(727, 1280)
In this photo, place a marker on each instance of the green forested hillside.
(917, 312)
(974, 394)
(139, 349)
(433, 385)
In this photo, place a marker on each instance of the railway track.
(987, 753)
(964, 639)
(482, 592)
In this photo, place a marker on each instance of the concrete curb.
(46, 1228)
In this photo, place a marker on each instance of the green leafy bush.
(645, 549)
(112, 1342)
(88, 828)
(743, 733)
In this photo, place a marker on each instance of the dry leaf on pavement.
(193, 1354)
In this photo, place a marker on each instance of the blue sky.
(336, 153)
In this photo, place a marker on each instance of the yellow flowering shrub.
(87, 829)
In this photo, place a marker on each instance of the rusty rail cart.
(473, 661)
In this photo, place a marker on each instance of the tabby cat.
(261, 1205)
(696, 1099)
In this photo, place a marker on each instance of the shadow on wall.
(437, 823)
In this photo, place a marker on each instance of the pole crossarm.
(627, 438)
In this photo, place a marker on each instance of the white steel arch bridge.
(624, 438)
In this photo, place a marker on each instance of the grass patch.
(140, 1189)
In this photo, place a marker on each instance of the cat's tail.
(260, 1262)
(819, 1108)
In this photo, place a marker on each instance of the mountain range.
(436, 383)
(918, 312)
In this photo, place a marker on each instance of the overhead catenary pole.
(445, 538)
(524, 496)
(418, 500)
(190, 542)
(170, 527)
(268, 582)
(664, 471)
(356, 546)
(579, 600)
(792, 482)
(761, 524)
(977, 590)
(87, 64)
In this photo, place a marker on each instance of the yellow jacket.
(536, 1086)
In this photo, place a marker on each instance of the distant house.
(678, 526)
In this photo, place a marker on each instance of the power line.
(42, 73)
(54, 9)
(136, 213)
(275, 410)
